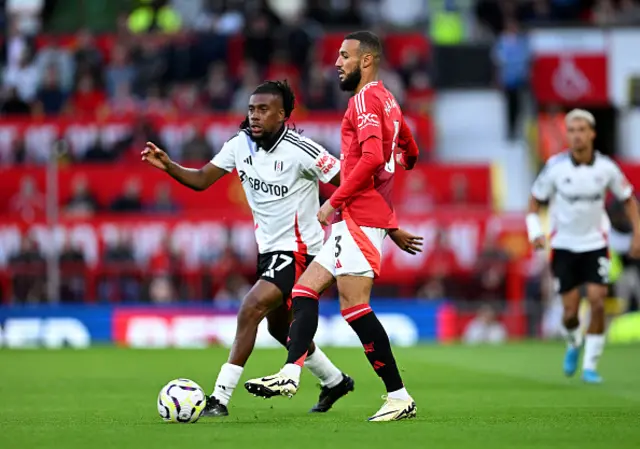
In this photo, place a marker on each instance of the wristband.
(534, 227)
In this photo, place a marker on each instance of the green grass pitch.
(513, 396)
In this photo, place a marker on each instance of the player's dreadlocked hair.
(281, 88)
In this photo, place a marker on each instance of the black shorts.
(571, 270)
(283, 269)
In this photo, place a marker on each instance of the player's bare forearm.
(633, 213)
(535, 205)
(196, 179)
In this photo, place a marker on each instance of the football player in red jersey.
(372, 129)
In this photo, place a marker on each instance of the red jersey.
(372, 128)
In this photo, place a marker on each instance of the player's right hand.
(155, 156)
(539, 243)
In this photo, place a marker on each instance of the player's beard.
(351, 81)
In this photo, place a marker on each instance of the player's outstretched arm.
(196, 179)
(406, 241)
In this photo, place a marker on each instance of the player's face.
(580, 133)
(266, 115)
(348, 65)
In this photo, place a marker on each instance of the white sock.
(401, 394)
(226, 382)
(292, 370)
(593, 347)
(573, 337)
(323, 369)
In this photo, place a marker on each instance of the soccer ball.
(181, 401)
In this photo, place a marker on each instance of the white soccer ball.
(181, 401)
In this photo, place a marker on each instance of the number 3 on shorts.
(338, 247)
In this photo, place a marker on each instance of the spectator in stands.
(119, 71)
(629, 13)
(185, 99)
(420, 93)
(218, 91)
(88, 58)
(301, 32)
(163, 202)
(250, 79)
(82, 203)
(28, 204)
(566, 10)
(259, 40)
(131, 198)
(392, 81)
(26, 14)
(51, 97)
(197, 149)
(54, 56)
(512, 58)
(128, 148)
(28, 269)
(150, 65)
(441, 260)
(15, 46)
(459, 190)
(161, 290)
(72, 266)
(235, 288)
(485, 328)
(604, 13)
(319, 92)
(538, 12)
(88, 101)
(23, 76)
(12, 104)
(121, 285)
(16, 151)
(416, 198)
(122, 103)
(433, 288)
(99, 152)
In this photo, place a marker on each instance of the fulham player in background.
(372, 128)
(575, 184)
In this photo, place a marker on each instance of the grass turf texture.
(513, 396)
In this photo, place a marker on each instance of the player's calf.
(354, 298)
(595, 339)
(260, 300)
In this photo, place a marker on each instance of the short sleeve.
(318, 163)
(543, 187)
(618, 183)
(226, 157)
(368, 115)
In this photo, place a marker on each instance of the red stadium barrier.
(453, 245)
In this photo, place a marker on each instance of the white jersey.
(281, 185)
(577, 194)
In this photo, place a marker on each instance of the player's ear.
(366, 60)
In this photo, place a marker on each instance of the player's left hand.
(634, 252)
(406, 241)
(406, 162)
(325, 212)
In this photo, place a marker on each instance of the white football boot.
(395, 410)
(276, 385)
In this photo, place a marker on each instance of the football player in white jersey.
(575, 184)
(279, 170)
